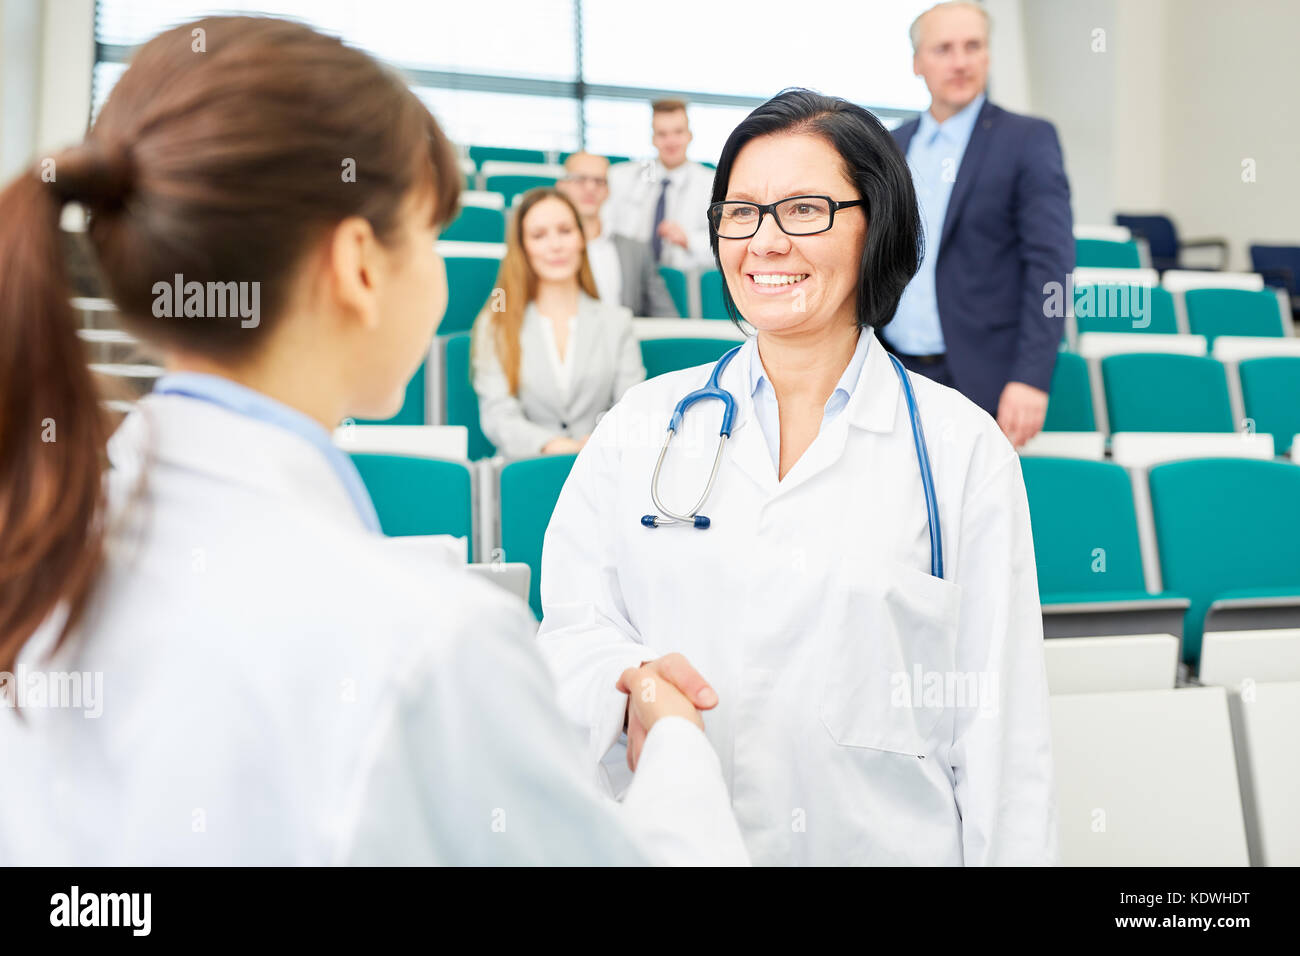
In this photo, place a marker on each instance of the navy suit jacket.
(1008, 232)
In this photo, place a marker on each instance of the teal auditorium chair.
(1085, 531)
(505, 154)
(1108, 307)
(458, 393)
(419, 495)
(1214, 312)
(1226, 528)
(529, 490)
(1106, 254)
(668, 355)
(675, 279)
(711, 301)
(1270, 390)
(1166, 393)
(470, 281)
(412, 411)
(511, 185)
(1069, 404)
(477, 224)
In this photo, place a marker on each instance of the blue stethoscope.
(715, 391)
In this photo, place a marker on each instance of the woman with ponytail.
(207, 653)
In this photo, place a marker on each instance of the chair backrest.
(505, 154)
(1158, 231)
(1266, 655)
(529, 490)
(1110, 233)
(1107, 254)
(1225, 524)
(511, 185)
(414, 409)
(675, 279)
(1146, 449)
(470, 282)
(1069, 405)
(477, 224)
(669, 355)
(1212, 312)
(420, 495)
(1270, 390)
(1279, 265)
(1097, 345)
(1166, 393)
(1138, 771)
(1112, 307)
(1100, 665)
(1183, 280)
(460, 400)
(1085, 528)
(712, 304)
(425, 441)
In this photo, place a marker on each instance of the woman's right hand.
(563, 445)
(659, 688)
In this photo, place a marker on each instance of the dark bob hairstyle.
(873, 163)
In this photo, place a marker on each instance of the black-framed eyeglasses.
(795, 216)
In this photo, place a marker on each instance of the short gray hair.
(914, 31)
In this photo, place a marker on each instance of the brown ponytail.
(224, 165)
(52, 428)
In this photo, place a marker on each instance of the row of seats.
(1210, 541)
(1111, 307)
(1154, 392)
(1223, 529)
(1137, 393)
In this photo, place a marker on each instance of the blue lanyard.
(252, 404)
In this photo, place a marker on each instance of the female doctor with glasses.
(830, 557)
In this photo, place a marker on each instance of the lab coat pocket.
(891, 658)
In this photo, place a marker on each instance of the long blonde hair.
(517, 284)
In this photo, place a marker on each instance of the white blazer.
(605, 361)
(848, 726)
(281, 686)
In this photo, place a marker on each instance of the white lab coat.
(809, 607)
(281, 686)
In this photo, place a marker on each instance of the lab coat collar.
(873, 403)
(194, 435)
(872, 407)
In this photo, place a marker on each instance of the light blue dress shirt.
(934, 156)
(253, 404)
(765, 407)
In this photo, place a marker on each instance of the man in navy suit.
(996, 205)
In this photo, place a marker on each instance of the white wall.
(1162, 120)
(46, 60)
(1072, 82)
(1232, 93)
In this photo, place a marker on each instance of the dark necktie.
(656, 241)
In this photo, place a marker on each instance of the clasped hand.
(665, 687)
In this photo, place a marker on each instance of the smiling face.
(552, 240)
(672, 134)
(786, 283)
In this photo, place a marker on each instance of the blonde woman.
(555, 358)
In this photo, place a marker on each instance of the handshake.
(667, 686)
